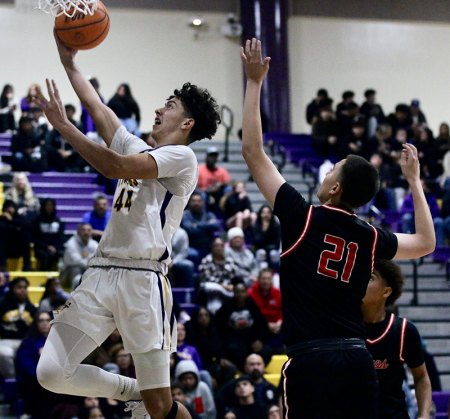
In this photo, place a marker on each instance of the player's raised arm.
(109, 163)
(261, 167)
(104, 118)
(423, 241)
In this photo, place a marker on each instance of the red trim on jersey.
(286, 365)
(297, 243)
(374, 246)
(391, 322)
(339, 210)
(402, 339)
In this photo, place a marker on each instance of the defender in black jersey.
(394, 342)
(326, 262)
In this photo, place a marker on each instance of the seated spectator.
(325, 131)
(179, 396)
(201, 331)
(98, 217)
(213, 180)
(442, 145)
(348, 100)
(91, 413)
(200, 225)
(268, 300)
(181, 269)
(372, 111)
(345, 122)
(7, 107)
(400, 119)
(313, 108)
(16, 317)
(28, 152)
(385, 198)
(48, 236)
(407, 214)
(357, 142)
(21, 193)
(274, 412)
(123, 360)
(184, 350)
(14, 236)
(216, 275)
(99, 408)
(199, 397)
(265, 394)
(243, 328)
(78, 250)
(124, 105)
(267, 237)
(61, 155)
(187, 351)
(31, 99)
(40, 125)
(242, 256)
(424, 142)
(247, 406)
(38, 402)
(444, 180)
(237, 208)
(417, 116)
(54, 296)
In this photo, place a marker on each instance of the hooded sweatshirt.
(199, 398)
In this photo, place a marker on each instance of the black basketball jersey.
(393, 343)
(326, 263)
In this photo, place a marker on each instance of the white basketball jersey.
(146, 213)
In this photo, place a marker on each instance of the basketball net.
(67, 7)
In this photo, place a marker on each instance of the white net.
(67, 7)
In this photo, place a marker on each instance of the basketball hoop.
(67, 7)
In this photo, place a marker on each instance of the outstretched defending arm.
(104, 118)
(261, 167)
(423, 241)
(106, 161)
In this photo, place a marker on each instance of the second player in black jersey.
(394, 343)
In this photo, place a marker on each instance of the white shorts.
(136, 302)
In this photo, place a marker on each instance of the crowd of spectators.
(225, 249)
(366, 130)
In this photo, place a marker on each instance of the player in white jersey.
(125, 286)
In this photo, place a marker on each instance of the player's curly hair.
(359, 180)
(392, 275)
(202, 107)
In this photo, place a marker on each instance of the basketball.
(83, 31)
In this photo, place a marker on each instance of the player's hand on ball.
(66, 54)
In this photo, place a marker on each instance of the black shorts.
(330, 379)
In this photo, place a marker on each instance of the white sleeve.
(126, 143)
(177, 168)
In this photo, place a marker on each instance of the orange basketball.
(83, 31)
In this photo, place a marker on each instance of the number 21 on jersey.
(340, 247)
